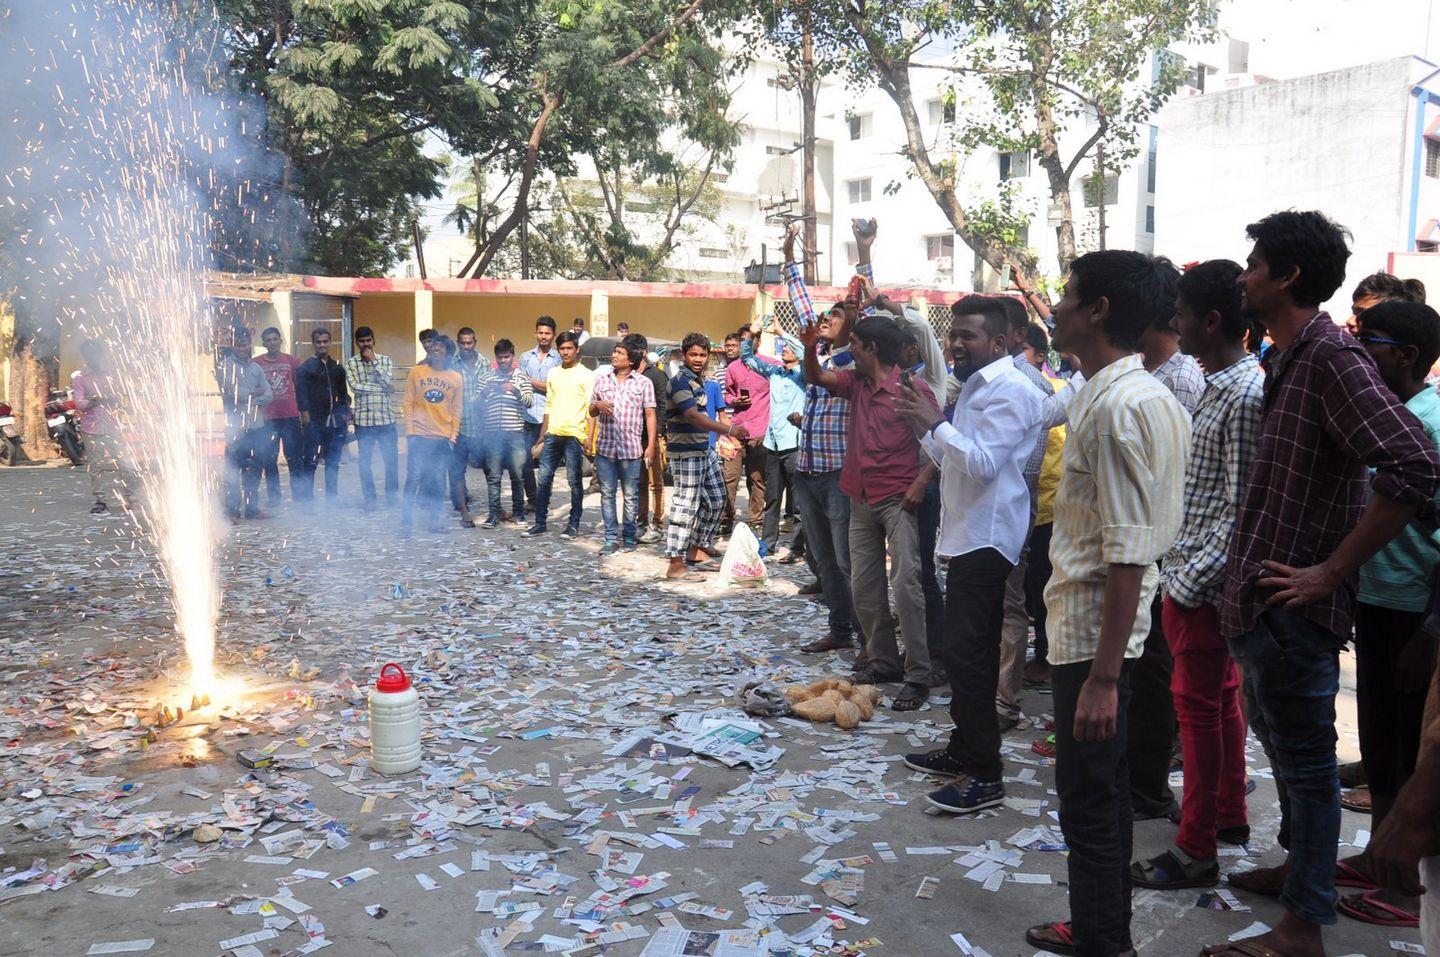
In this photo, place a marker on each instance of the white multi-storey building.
(1361, 144)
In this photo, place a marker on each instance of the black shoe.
(965, 795)
(570, 532)
(939, 762)
(1237, 835)
(812, 588)
(491, 522)
(1153, 814)
(865, 674)
(534, 530)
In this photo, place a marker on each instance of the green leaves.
(412, 48)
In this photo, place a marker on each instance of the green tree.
(632, 84)
(1024, 73)
(351, 89)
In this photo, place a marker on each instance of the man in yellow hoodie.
(431, 413)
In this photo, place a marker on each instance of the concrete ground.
(533, 657)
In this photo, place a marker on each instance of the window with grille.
(1432, 158)
(1093, 193)
(940, 247)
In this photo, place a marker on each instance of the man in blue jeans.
(507, 395)
(563, 434)
(1302, 531)
(536, 363)
(324, 402)
(623, 404)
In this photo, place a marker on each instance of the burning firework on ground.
(118, 160)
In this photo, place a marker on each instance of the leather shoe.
(813, 588)
(828, 643)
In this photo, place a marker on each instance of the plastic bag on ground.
(742, 564)
(763, 699)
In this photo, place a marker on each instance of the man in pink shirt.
(282, 417)
(884, 474)
(112, 481)
(747, 394)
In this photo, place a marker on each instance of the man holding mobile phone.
(747, 394)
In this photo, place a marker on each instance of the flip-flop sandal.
(908, 700)
(1045, 748)
(1167, 873)
(1247, 948)
(1061, 929)
(705, 565)
(1348, 876)
(1357, 799)
(687, 577)
(1355, 906)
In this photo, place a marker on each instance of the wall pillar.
(424, 317)
(599, 312)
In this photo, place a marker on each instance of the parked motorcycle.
(63, 421)
(9, 436)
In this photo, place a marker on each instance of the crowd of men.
(1190, 532)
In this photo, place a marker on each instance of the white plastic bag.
(742, 564)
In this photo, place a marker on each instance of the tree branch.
(659, 38)
(484, 254)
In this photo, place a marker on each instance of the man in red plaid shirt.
(623, 403)
(1302, 531)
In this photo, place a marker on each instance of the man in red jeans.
(1206, 682)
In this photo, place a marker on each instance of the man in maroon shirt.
(282, 417)
(884, 474)
(747, 394)
(1302, 530)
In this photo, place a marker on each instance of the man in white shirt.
(984, 519)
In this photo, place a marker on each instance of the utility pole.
(525, 243)
(807, 109)
(1100, 176)
(419, 248)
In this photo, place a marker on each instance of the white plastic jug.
(394, 722)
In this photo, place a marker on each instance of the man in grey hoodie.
(245, 391)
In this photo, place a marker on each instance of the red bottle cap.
(399, 681)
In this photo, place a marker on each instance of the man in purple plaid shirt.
(623, 403)
(1302, 531)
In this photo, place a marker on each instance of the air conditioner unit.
(944, 264)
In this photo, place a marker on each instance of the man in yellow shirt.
(431, 414)
(563, 433)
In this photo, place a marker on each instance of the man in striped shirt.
(1117, 510)
(507, 394)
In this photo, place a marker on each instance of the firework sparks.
(117, 176)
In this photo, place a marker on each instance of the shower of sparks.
(125, 153)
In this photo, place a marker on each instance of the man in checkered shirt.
(623, 404)
(1303, 529)
(1206, 683)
